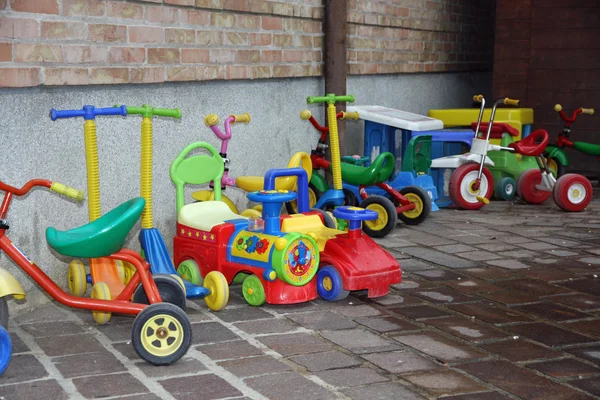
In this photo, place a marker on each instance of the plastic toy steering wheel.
(354, 214)
(271, 196)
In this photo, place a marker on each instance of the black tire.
(3, 312)
(169, 288)
(173, 322)
(328, 220)
(425, 201)
(350, 198)
(383, 204)
(291, 206)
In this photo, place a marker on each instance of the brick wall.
(81, 42)
(548, 52)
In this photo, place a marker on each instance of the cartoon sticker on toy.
(300, 261)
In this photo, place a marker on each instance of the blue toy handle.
(302, 184)
(87, 112)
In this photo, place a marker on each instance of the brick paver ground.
(501, 303)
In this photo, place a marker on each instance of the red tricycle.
(161, 332)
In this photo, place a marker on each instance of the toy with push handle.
(511, 102)
(87, 112)
(148, 111)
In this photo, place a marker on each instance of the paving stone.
(18, 346)
(211, 332)
(471, 285)
(413, 283)
(349, 377)
(488, 273)
(207, 387)
(532, 286)
(442, 295)
(360, 341)
(479, 255)
(108, 385)
(322, 320)
(566, 367)
(588, 286)
(548, 274)
(413, 264)
(454, 248)
(44, 313)
(590, 260)
(23, 367)
(466, 328)
(382, 391)
(489, 313)
(89, 364)
(537, 246)
(392, 299)
(328, 360)
(52, 329)
(356, 310)
(520, 350)
(589, 328)
(71, 344)
(440, 275)
(392, 241)
(519, 381)
(509, 296)
(116, 332)
(182, 366)
(471, 239)
(439, 347)
(444, 382)
(591, 385)
(514, 239)
(548, 334)
(579, 301)
(46, 389)
(437, 257)
(284, 309)
(520, 253)
(590, 353)
(243, 314)
(508, 264)
(386, 324)
(252, 366)
(420, 312)
(560, 241)
(227, 350)
(478, 396)
(397, 254)
(431, 239)
(402, 362)
(267, 326)
(498, 246)
(552, 311)
(296, 387)
(127, 350)
(545, 260)
(304, 343)
(562, 253)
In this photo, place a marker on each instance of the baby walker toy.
(214, 290)
(246, 183)
(277, 266)
(557, 157)
(161, 332)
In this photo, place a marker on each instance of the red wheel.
(572, 192)
(461, 184)
(526, 187)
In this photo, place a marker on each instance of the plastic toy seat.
(257, 183)
(206, 214)
(99, 238)
(498, 128)
(380, 170)
(529, 147)
(310, 224)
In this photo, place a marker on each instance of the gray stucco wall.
(35, 147)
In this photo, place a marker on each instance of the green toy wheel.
(101, 291)
(77, 279)
(253, 291)
(419, 197)
(506, 188)
(387, 217)
(190, 271)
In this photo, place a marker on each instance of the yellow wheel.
(216, 283)
(251, 213)
(101, 291)
(77, 278)
(313, 196)
(387, 217)
(419, 197)
(126, 271)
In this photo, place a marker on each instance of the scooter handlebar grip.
(511, 102)
(350, 115)
(557, 108)
(478, 98)
(87, 112)
(67, 191)
(305, 114)
(245, 117)
(588, 111)
(56, 114)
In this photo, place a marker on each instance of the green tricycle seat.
(380, 170)
(99, 238)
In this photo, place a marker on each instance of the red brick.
(283, 71)
(222, 20)
(84, 54)
(195, 17)
(271, 56)
(161, 14)
(3, 4)
(5, 52)
(247, 22)
(120, 55)
(187, 36)
(292, 55)
(210, 72)
(117, 9)
(181, 73)
(283, 9)
(63, 30)
(236, 5)
(146, 34)
(209, 37)
(147, 75)
(247, 56)
(272, 23)
(66, 76)
(237, 72)
(19, 77)
(222, 56)
(260, 71)
(35, 6)
(235, 38)
(567, 39)
(94, 8)
(194, 56)
(218, 4)
(107, 33)
(259, 6)
(37, 53)
(260, 39)
(513, 9)
(17, 28)
(187, 3)
(108, 75)
(163, 56)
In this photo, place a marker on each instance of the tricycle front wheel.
(526, 187)
(171, 291)
(572, 192)
(419, 197)
(462, 188)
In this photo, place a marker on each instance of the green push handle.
(147, 111)
(329, 99)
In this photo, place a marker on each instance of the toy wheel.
(101, 291)
(328, 220)
(77, 278)
(572, 192)
(387, 217)
(350, 198)
(330, 285)
(526, 187)
(555, 166)
(253, 291)
(461, 184)
(161, 334)
(190, 271)
(125, 270)
(216, 283)
(506, 188)
(419, 197)
(5, 349)
(170, 289)
(3, 312)
(313, 196)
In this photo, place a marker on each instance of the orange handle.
(511, 102)
(350, 115)
(478, 98)
(588, 111)
(245, 117)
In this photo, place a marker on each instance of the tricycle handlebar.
(67, 191)
(330, 98)
(87, 112)
(511, 102)
(239, 118)
(54, 186)
(478, 98)
(558, 108)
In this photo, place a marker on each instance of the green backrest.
(196, 170)
(417, 155)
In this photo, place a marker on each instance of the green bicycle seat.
(379, 171)
(99, 238)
